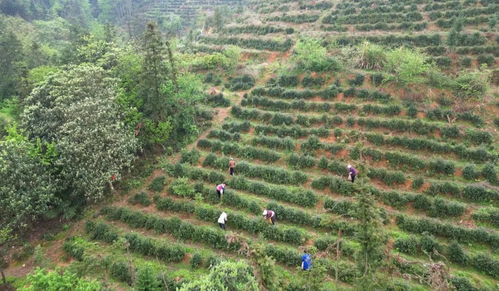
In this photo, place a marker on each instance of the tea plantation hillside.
(403, 90)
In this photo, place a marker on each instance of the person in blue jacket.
(306, 261)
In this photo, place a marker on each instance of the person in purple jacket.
(352, 172)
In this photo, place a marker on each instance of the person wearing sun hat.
(269, 215)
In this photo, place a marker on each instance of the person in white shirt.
(222, 220)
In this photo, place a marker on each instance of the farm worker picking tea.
(352, 173)
(222, 220)
(269, 215)
(306, 261)
(232, 165)
(220, 190)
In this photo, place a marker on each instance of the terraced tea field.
(428, 158)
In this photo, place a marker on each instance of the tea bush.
(388, 177)
(244, 82)
(442, 167)
(489, 173)
(461, 234)
(150, 247)
(182, 187)
(336, 185)
(140, 198)
(303, 197)
(179, 229)
(218, 100)
(120, 271)
(254, 43)
(409, 245)
(470, 172)
(300, 161)
(488, 215)
(196, 261)
(237, 126)
(309, 81)
(248, 152)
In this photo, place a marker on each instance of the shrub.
(407, 245)
(377, 79)
(443, 62)
(140, 198)
(311, 55)
(287, 81)
(478, 137)
(275, 143)
(489, 173)
(358, 80)
(298, 196)
(412, 111)
(461, 284)
(487, 59)
(309, 81)
(146, 279)
(244, 82)
(388, 177)
(157, 184)
(190, 157)
(182, 187)
(300, 162)
(408, 66)
(235, 126)
(442, 167)
(42, 279)
(73, 248)
(429, 244)
(417, 183)
(477, 193)
(196, 261)
(456, 253)
(486, 264)
(121, 272)
(312, 144)
(489, 215)
(461, 234)
(218, 100)
(471, 85)
(465, 62)
(470, 172)
(450, 132)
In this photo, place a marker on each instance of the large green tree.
(76, 108)
(28, 188)
(11, 63)
(154, 75)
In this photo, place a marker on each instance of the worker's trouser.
(220, 193)
(222, 225)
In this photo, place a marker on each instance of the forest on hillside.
(119, 120)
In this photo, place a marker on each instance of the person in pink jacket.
(220, 190)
